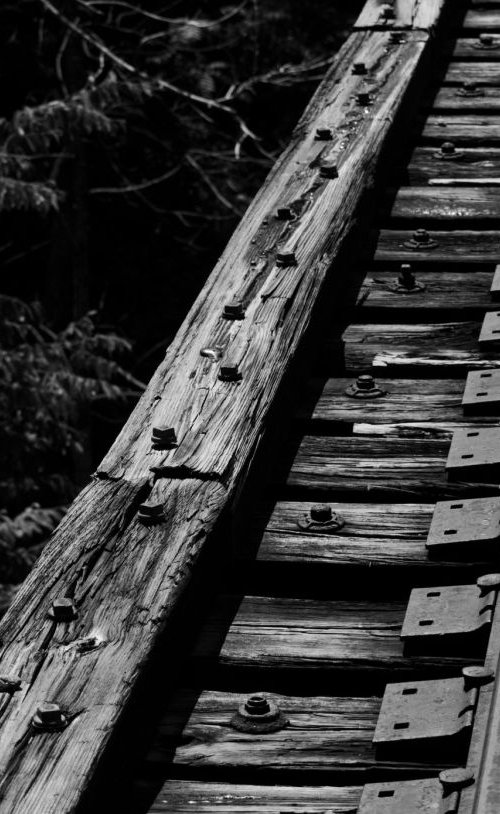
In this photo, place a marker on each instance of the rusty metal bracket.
(434, 795)
(423, 716)
(474, 454)
(489, 338)
(495, 285)
(465, 524)
(450, 616)
(482, 392)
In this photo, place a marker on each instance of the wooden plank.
(466, 294)
(426, 166)
(382, 468)
(375, 535)
(328, 736)
(488, 20)
(124, 580)
(407, 14)
(194, 797)
(453, 247)
(473, 131)
(449, 99)
(419, 406)
(483, 73)
(450, 348)
(269, 633)
(462, 206)
(470, 48)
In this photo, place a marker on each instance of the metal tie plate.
(495, 285)
(465, 524)
(489, 338)
(423, 716)
(482, 392)
(450, 615)
(408, 797)
(474, 454)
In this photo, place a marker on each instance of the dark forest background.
(132, 138)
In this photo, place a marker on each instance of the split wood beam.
(125, 578)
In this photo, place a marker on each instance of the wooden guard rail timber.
(87, 619)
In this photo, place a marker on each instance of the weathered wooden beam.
(123, 577)
(401, 14)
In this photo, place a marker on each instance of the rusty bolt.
(469, 86)
(10, 683)
(285, 258)
(476, 675)
(421, 236)
(323, 134)
(455, 779)
(164, 437)
(284, 213)
(234, 310)
(63, 610)
(328, 170)
(487, 40)
(359, 68)
(387, 12)
(229, 372)
(488, 582)
(365, 382)
(406, 276)
(363, 98)
(150, 513)
(448, 148)
(49, 718)
(258, 714)
(397, 37)
(321, 513)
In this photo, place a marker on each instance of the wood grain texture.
(452, 347)
(426, 407)
(450, 99)
(466, 129)
(401, 468)
(194, 797)
(384, 535)
(484, 73)
(466, 294)
(458, 246)
(304, 634)
(408, 14)
(125, 578)
(469, 206)
(426, 166)
(215, 421)
(482, 20)
(326, 735)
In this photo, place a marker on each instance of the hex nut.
(258, 714)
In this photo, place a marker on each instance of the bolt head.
(387, 12)
(359, 68)
(323, 134)
(63, 610)
(234, 310)
(489, 582)
(229, 372)
(257, 705)
(321, 513)
(365, 382)
(164, 437)
(49, 717)
(285, 258)
(406, 277)
(328, 170)
(363, 98)
(421, 235)
(486, 39)
(469, 85)
(455, 779)
(447, 148)
(151, 512)
(476, 675)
